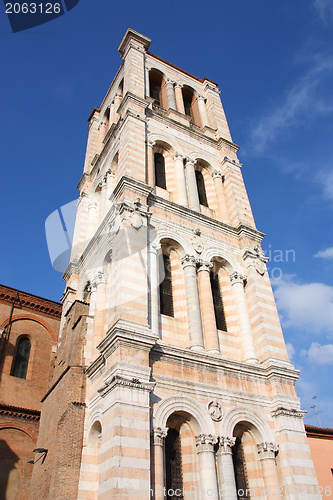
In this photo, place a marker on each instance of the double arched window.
(21, 360)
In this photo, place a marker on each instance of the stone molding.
(286, 412)
(116, 380)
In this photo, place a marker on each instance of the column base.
(197, 348)
(253, 361)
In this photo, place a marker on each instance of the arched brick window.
(166, 295)
(159, 164)
(218, 303)
(21, 360)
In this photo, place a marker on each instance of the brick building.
(171, 368)
(28, 344)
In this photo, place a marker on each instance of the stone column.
(237, 283)
(192, 302)
(171, 94)
(267, 453)
(158, 454)
(117, 101)
(226, 473)
(92, 216)
(153, 251)
(180, 179)
(99, 283)
(150, 163)
(220, 194)
(202, 111)
(207, 307)
(208, 479)
(179, 98)
(112, 118)
(192, 186)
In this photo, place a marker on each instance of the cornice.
(29, 301)
(17, 412)
(130, 97)
(127, 182)
(237, 369)
(134, 383)
(281, 411)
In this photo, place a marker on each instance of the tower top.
(132, 35)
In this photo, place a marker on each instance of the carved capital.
(178, 156)
(180, 85)
(267, 450)
(100, 277)
(159, 435)
(225, 444)
(204, 265)
(236, 277)
(169, 82)
(188, 260)
(190, 162)
(155, 248)
(151, 143)
(92, 205)
(205, 442)
(217, 174)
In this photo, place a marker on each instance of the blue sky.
(273, 60)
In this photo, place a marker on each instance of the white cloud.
(305, 99)
(325, 254)
(308, 306)
(290, 350)
(320, 354)
(325, 9)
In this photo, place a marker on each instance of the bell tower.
(180, 378)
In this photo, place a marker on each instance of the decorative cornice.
(232, 161)
(17, 412)
(287, 412)
(117, 380)
(29, 301)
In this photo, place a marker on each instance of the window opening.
(166, 296)
(173, 464)
(20, 366)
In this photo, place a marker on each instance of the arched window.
(166, 296)
(159, 163)
(218, 303)
(21, 361)
(191, 105)
(240, 471)
(155, 86)
(201, 188)
(173, 464)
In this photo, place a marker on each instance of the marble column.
(267, 453)
(220, 194)
(100, 283)
(159, 436)
(171, 94)
(179, 98)
(150, 163)
(112, 118)
(237, 284)
(178, 161)
(202, 111)
(192, 302)
(208, 479)
(226, 473)
(192, 186)
(117, 102)
(207, 307)
(154, 282)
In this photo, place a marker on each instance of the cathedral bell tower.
(172, 369)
